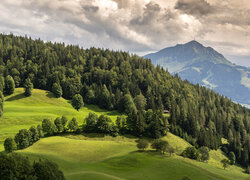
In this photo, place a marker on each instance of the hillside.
(204, 65)
(22, 112)
(116, 80)
(117, 158)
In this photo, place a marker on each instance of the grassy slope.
(101, 158)
(22, 112)
(117, 158)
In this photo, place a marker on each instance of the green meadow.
(93, 156)
(22, 112)
(82, 157)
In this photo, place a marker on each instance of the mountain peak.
(190, 53)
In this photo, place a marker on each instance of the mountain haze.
(204, 65)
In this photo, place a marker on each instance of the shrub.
(142, 144)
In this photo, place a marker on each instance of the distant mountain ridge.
(204, 65)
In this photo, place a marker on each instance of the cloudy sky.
(137, 26)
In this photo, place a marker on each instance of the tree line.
(128, 83)
(156, 128)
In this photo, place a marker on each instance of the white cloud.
(133, 25)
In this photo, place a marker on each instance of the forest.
(117, 80)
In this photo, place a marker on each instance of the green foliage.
(15, 166)
(77, 102)
(47, 170)
(204, 153)
(34, 134)
(225, 163)
(28, 86)
(9, 85)
(64, 121)
(140, 102)
(73, 125)
(1, 103)
(23, 139)
(57, 90)
(191, 152)
(48, 127)
(160, 145)
(9, 145)
(142, 144)
(129, 105)
(113, 80)
(232, 158)
(59, 125)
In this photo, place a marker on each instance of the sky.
(137, 26)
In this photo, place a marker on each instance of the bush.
(204, 153)
(160, 145)
(142, 144)
(191, 152)
(9, 145)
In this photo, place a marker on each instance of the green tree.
(39, 130)
(91, 121)
(23, 139)
(34, 134)
(140, 102)
(171, 150)
(57, 90)
(9, 85)
(142, 144)
(28, 86)
(47, 170)
(232, 158)
(204, 152)
(9, 145)
(77, 102)
(73, 125)
(104, 124)
(59, 125)
(129, 105)
(225, 163)
(191, 152)
(48, 127)
(15, 166)
(160, 145)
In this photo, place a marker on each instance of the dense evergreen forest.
(130, 84)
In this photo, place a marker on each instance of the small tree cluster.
(24, 138)
(102, 124)
(191, 152)
(160, 145)
(15, 166)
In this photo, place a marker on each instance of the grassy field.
(22, 112)
(95, 157)
(117, 158)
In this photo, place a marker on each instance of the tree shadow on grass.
(50, 94)
(16, 97)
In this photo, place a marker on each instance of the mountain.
(204, 65)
